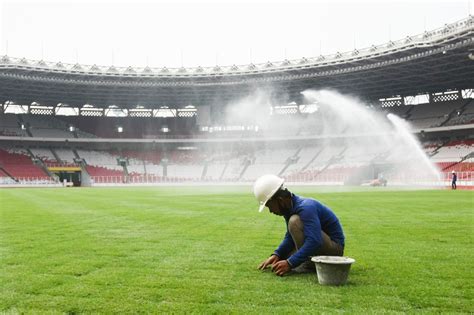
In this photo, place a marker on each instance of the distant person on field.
(454, 179)
(312, 228)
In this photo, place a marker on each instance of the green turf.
(183, 250)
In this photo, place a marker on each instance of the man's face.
(276, 206)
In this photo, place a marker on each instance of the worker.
(453, 181)
(312, 229)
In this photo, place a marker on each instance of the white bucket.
(332, 270)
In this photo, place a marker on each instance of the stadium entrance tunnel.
(69, 176)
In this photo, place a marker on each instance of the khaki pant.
(328, 248)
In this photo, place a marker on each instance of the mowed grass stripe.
(196, 249)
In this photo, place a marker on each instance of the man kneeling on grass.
(312, 228)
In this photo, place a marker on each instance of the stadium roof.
(434, 61)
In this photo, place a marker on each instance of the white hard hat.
(265, 187)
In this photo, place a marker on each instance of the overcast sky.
(193, 33)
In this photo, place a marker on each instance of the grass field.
(183, 250)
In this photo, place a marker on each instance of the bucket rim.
(333, 260)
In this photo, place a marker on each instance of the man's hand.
(269, 261)
(281, 267)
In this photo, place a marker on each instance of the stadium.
(193, 140)
(116, 125)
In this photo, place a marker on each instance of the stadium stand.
(401, 111)
(312, 162)
(323, 157)
(101, 159)
(10, 126)
(152, 155)
(454, 151)
(447, 113)
(463, 115)
(100, 171)
(185, 171)
(153, 169)
(65, 156)
(45, 154)
(214, 170)
(38, 126)
(268, 161)
(132, 127)
(18, 164)
(433, 115)
(136, 167)
(302, 157)
(45, 126)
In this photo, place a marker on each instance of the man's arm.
(280, 253)
(281, 266)
(285, 247)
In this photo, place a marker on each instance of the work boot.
(306, 267)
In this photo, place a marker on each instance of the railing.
(27, 181)
(139, 179)
(461, 176)
(62, 164)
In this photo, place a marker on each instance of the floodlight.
(165, 129)
(72, 128)
(119, 129)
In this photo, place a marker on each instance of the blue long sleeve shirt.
(316, 217)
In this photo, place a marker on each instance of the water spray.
(379, 137)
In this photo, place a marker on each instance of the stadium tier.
(310, 162)
(18, 166)
(423, 116)
(64, 156)
(101, 172)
